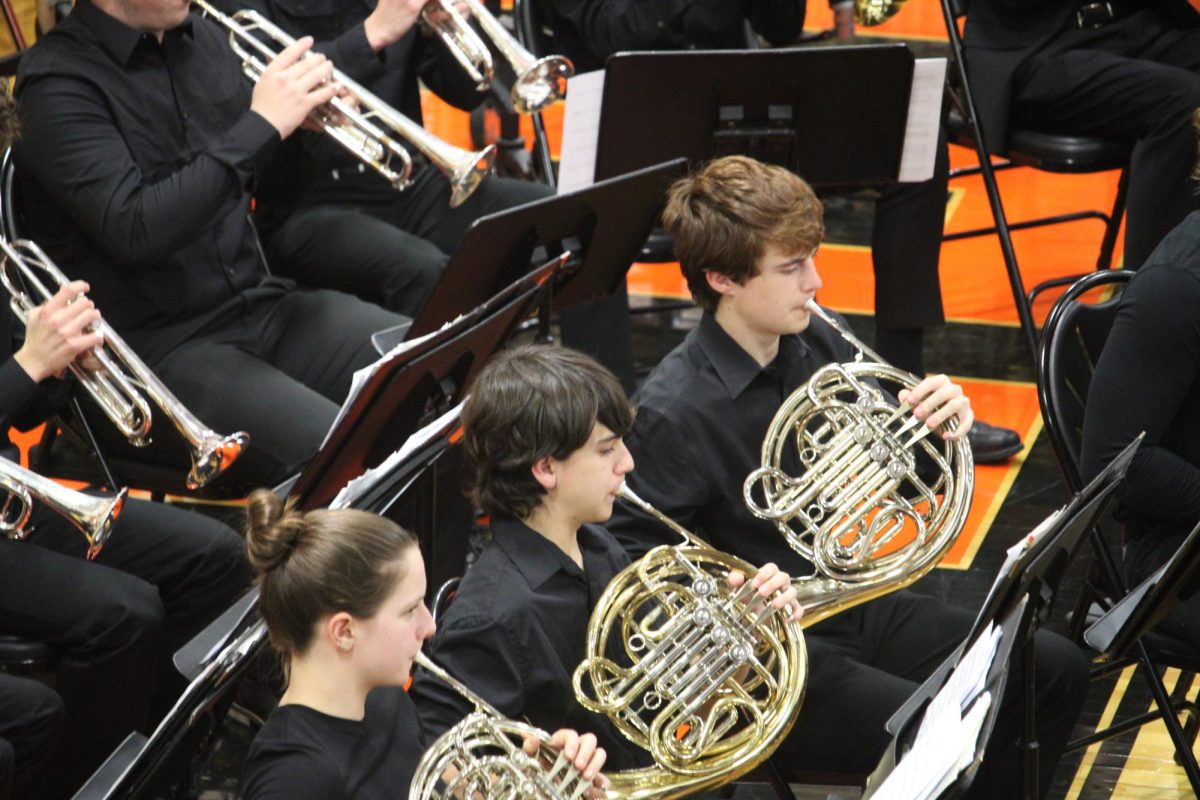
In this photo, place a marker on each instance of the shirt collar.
(536, 557)
(115, 36)
(735, 367)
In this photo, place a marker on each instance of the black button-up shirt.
(589, 31)
(135, 162)
(702, 416)
(516, 631)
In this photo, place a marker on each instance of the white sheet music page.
(924, 118)
(581, 130)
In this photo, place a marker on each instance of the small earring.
(345, 646)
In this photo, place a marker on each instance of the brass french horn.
(706, 681)
(860, 510)
(482, 756)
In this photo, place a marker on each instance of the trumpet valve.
(215, 457)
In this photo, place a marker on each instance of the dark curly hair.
(528, 403)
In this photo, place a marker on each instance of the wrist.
(380, 31)
(33, 366)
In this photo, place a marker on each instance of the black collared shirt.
(135, 164)
(516, 630)
(589, 31)
(702, 416)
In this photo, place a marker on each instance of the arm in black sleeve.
(610, 26)
(446, 78)
(1147, 371)
(71, 146)
(480, 652)
(780, 22)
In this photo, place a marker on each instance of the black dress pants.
(278, 367)
(391, 248)
(164, 574)
(31, 716)
(1135, 79)
(865, 662)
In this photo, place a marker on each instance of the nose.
(625, 463)
(810, 277)
(430, 627)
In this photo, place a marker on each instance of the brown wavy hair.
(528, 403)
(725, 214)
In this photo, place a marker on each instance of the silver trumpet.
(123, 382)
(94, 516)
(363, 124)
(483, 756)
(541, 82)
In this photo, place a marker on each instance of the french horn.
(483, 756)
(859, 508)
(688, 668)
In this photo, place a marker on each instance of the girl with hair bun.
(343, 596)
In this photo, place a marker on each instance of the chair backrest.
(8, 207)
(532, 29)
(1072, 340)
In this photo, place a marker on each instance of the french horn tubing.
(122, 384)
(696, 673)
(483, 756)
(859, 507)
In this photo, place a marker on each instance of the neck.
(560, 531)
(323, 683)
(762, 347)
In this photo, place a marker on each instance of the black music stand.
(603, 225)
(783, 106)
(1025, 592)
(414, 387)
(139, 763)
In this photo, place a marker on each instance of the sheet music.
(360, 378)
(946, 742)
(924, 120)
(359, 486)
(1017, 550)
(581, 131)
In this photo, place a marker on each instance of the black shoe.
(993, 445)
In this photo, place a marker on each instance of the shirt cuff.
(246, 141)
(18, 391)
(352, 54)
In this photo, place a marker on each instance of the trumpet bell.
(98, 524)
(543, 84)
(214, 456)
(466, 176)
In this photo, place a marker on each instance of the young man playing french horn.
(545, 459)
(746, 237)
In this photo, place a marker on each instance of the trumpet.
(93, 516)
(119, 384)
(709, 684)
(540, 82)
(860, 511)
(483, 756)
(366, 133)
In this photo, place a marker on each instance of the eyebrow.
(612, 437)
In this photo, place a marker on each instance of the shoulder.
(287, 760)
(673, 377)
(67, 50)
(492, 591)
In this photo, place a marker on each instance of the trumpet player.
(141, 144)
(746, 237)
(163, 575)
(343, 596)
(340, 224)
(543, 442)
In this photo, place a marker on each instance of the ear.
(339, 629)
(543, 473)
(720, 283)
